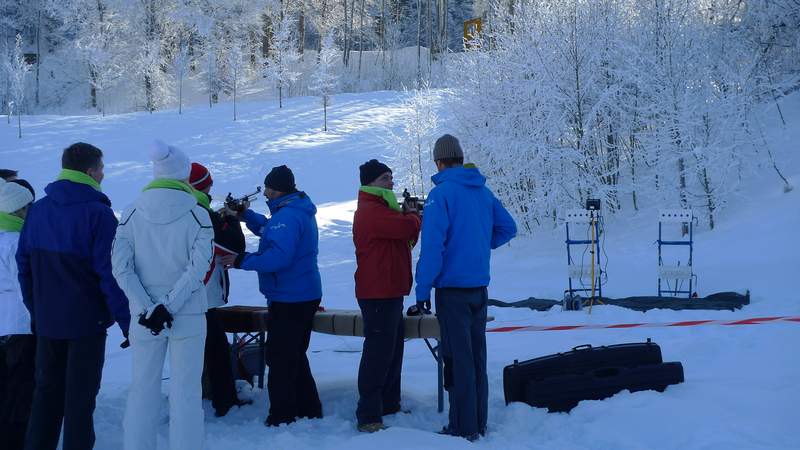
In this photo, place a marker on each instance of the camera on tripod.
(593, 204)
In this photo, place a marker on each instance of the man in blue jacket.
(288, 276)
(64, 261)
(463, 222)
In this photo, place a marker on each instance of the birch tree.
(324, 79)
(280, 67)
(413, 145)
(18, 70)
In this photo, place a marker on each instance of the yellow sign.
(472, 29)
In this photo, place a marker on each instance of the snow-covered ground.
(741, 389)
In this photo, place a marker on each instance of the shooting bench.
(251, 322)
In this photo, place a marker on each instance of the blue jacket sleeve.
(282, 235)
(254, 221)
(435, 225)
(504, 228)
(23, 258)
(105, 229)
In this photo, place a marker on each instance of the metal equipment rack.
(675, 272)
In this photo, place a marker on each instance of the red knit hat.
(199, 177)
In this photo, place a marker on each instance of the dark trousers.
(68, 375)
(17, 354)
(292, 390)
(217, 363)
(381, 359)
(462, 318)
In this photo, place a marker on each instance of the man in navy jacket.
(64, 260)
(288, 276)
(463, 222)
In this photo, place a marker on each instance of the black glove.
(157, 320)
(422, 307)
(126, 343)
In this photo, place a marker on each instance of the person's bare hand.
(226, 261)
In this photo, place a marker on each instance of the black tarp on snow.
(719, 301)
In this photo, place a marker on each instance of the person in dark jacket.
(64, 262)
(383, 234)
(288, 276)
(463, 223)
(217, 361)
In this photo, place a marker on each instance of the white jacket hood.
(164, 206)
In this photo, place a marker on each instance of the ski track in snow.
(741, 388)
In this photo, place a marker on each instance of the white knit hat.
(169, 162)
(13, 197)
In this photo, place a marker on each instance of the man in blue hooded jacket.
(64, 261)
(463, 222)
(288, 276)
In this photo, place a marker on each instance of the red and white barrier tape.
(688, 323)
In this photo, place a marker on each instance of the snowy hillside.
(741, 389)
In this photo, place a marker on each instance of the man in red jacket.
(383, 233)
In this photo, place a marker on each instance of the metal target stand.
(593, 270)
(675, 272)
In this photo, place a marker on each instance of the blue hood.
(467, 176)
(65, 192)
(296, 200)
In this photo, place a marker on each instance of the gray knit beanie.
(446, 147)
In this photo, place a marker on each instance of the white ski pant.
(185, 341)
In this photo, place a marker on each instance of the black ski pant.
(381, 359)
(462, 320)
(291, 387)
(17, 353)
(218, 365)
(68, 373)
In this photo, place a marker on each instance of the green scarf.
(165, 183)
(10, 222)
(79, 177)
(385, 194)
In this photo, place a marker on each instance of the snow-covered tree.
(17, 70)
(280, 67)
(412, 147)
(152, 37)
(99, 32)
(324, 79)
(237, 67)
(632, 102)
(180, 65)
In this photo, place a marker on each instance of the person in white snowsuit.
(17, 344)
(161, 254)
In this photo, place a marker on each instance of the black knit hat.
(371, 170)
(447, 147)
(280, 179)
